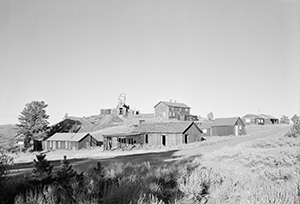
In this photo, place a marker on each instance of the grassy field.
(263, 170)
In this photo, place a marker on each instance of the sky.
(228, 57)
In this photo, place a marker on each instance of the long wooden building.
(71, 141)
(169, 133)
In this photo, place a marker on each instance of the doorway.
(186, 139)
(163, 140)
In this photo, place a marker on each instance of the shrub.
(295, 130)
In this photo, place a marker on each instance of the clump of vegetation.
(266, 171)
(295, 130)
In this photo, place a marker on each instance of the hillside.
(7, 134)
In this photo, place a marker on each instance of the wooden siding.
(167, 112)
(71, 145)
(229, 130)
(162, 111)
(172, 139)
(194, 134)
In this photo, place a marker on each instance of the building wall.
(161, 111)
(87, 141)
(172, 139)
(229, 130)
(194, 134)
(249, 121)
(164, 111)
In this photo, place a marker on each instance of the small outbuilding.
(227, 126)
(169, 133)
(70, 141)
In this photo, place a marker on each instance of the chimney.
(174, 101)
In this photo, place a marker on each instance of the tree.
(42, 169)
(295, 118)
(66, 171)
(284, 119)
(5, 162)
(210, 116)
(33, 121)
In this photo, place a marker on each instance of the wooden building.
(72, 141)
(172, 110)
(206, 128)
(169, 133)
(121, 140)
(250, 119)
(261, 119)
(117, 137)
(227, 126)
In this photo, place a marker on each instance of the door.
(186, 138)
(163, 140)
(236, 130)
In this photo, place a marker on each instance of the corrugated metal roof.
(225, 121)
(173, 104)
(67, 136)
(164, 127)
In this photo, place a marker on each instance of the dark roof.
(225, 121)
(164, 127)
(67, 136)
(173, 104)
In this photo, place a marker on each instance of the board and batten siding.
(193, 134)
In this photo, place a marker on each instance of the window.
(50, 144)
(58, 144)
(240, 127)
(66, 145)
(146, 138)
(204, 130)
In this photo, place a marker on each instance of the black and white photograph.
(150, 102)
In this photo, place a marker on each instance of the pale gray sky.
(229, 57)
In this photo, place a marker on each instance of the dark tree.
(66, 171)
(33, 121)
(42, 169)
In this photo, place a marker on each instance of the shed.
(228, 126)
(73, 141)
(169, 133)
(206, 128)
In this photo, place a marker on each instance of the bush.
(295, 130)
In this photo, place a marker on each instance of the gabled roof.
(67, 136)
(250, 116)
(115, 130)
(164, 127)
(173, 104)
(267, 116)
(225, 121)
(205, 125)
